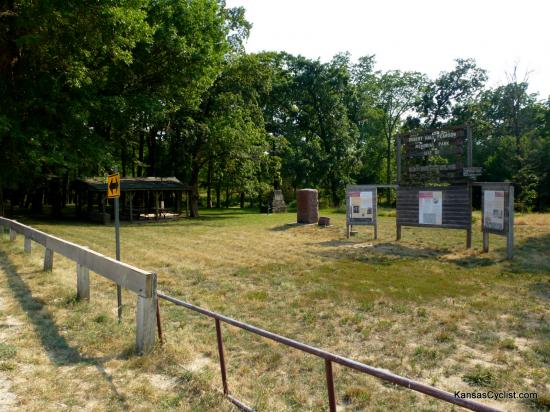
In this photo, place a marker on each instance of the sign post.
(113, 192)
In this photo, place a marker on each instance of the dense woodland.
(166, 88)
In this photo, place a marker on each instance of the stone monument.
(277, 202)
(307, 205)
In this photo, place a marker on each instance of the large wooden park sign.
(435, 177)
(433, 190)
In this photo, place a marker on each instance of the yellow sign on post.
(113, 186)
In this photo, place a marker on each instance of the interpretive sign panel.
(430, 208)
(361, 206)
(493, 205)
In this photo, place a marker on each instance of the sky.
(420, 35)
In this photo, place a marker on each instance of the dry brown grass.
(423, 307)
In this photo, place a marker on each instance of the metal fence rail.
(329, 358)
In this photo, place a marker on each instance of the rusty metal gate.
(329, 359)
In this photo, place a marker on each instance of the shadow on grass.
(58, 349)
(390, 252)
(541, 289)
(288, 226)
(473, 261)
(531, 255)
(387, 249)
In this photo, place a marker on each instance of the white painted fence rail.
(142, 283)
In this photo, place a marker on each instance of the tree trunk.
(334, 194)
(140, 153)
(218, 195)
(388, 166)
(123, 159)
(227, 197)
(152, 155)
(209, 185)
(65, 190)
(194, 198)
(242, 200)
(36, 205)
(133, 161)
(56, 197)
(1, 200)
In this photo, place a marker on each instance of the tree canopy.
(166, 88)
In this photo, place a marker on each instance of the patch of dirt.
(162, 382)
(197, 364)
(7, 398)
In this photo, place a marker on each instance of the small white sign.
(361, 205)
(430, 208)
(493, 209)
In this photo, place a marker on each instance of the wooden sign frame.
(353, 221)
(508, 218)
(456, 208)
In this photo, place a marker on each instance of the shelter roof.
(99, 184)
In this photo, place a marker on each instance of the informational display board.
(447, 207)
(361, 207)
(430, 207)
(493, 205)
(497, 213)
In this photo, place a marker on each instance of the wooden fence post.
(27, 245)
(48, 260)
(146, 320)
(82, 282)
(13, 234)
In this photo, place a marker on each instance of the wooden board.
(127, 276)
(456, 207)
(434, 156)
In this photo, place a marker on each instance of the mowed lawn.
(424, 307)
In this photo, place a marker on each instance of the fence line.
(144, 285)
(329, 358)
(141, 282)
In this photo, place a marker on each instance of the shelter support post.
(157, 214)
(131, 200)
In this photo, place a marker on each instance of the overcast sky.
(422, 35)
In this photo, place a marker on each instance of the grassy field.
(423, 307)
